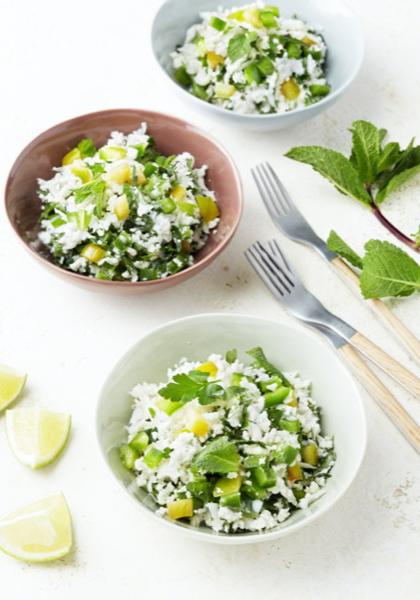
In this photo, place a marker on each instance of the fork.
(293, 224)
(275, 271)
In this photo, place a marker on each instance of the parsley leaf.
(366, 150)
(388, 271)
(336, 244)
(218, 456)
(188, 386)
(335, 167)
(94, 191)
(239, 46)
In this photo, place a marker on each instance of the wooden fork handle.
(397, 327)
(383, 397)
(391, 366)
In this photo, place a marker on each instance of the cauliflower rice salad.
(125, 211)
(253, 60)
(230, 446)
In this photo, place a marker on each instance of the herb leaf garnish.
(261, 362)
(336, 244)
(335, 167)
(388, 271)
(372, 173)
(185, 387)
(218, 456)
(239, 46)
(366, 150)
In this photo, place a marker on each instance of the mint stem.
(392, 229)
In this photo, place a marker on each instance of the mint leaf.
(186, 387)
(389, 156)
(366, 150)
(396, 182)
(239, 46)
(388, 271)
(408, 158)
(261, 362)
(218, 456)
(336, 244)
(333, 166)
(86, 148)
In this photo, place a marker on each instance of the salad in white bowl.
(253, 60)
(231, 446)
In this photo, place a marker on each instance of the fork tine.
(276, 250)
(284, 193)
(278, 200)
(284, 278)
(252, 254)
(267, 198)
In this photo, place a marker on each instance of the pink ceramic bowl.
(172, 136)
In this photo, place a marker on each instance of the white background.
(61, 59)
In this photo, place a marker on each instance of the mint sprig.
(386, 270)
(185, 387)
(373, 171)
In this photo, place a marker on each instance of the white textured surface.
(59, 60)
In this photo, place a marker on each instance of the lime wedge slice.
(11, 384)
(39, 532)
(36, 436)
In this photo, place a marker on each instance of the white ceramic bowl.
(292, 348)
(339, 26)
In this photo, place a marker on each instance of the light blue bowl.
(339, 26)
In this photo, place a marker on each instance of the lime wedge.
(35, 435)
(39, 532)
(11, 384)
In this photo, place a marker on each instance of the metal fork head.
(278, 275)
(283, 211)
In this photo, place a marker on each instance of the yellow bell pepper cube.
(238, 15)
(310, 454)
(252, 16)
(208, 208)
(71, 157)
(122, 208)
(290, 89)
(140, 176)
(178, 192)
(110, 153)
(200, 427)
(93, 253)
(224, 90)
(294, 473)
(208, 367)
(226, 485)
(213, 59)
(120, 174)
(81, 171)
(292, 399)
(179, 509)
(308, 41)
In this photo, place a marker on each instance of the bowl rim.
(323, 103)
(245, 537)
(184, 273)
